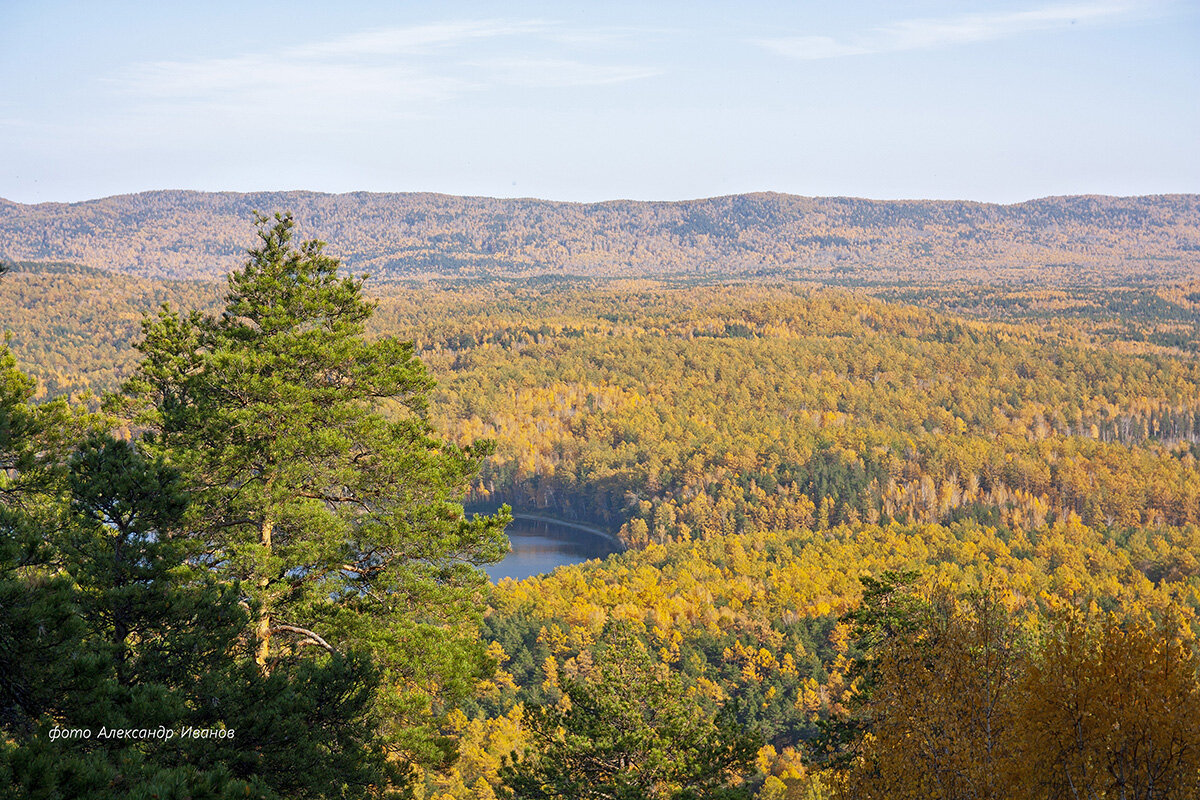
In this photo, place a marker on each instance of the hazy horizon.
(1002, 101)
(605, 200)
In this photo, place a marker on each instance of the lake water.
(540, 545)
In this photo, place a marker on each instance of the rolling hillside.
(1084, 240)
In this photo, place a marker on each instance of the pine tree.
(37, 624)
(630, 732)
(126, 636)
(891, 609)
(318, 481)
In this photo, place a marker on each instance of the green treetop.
(105, 627)
(317, 480)
(631, 731)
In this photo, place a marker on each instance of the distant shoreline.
(591, 530)
(594, 531)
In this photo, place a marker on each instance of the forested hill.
(1083, 240)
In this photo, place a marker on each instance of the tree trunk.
(263, 630)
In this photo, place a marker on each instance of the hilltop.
(1078, 240)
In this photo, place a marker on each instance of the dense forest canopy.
(73, 326)
(966, 509)
(1059, 240)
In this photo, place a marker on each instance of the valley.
(763, 447)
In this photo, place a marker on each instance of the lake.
(540, 544)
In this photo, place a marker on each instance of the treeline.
(74, 327)
(1167, 316)
(1064, 240)
(625, 403)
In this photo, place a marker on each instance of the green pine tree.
(129, 637)
(38, 627)
(891, 608)
(318, 482)
(629, 732)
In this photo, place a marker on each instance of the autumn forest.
(909, 497)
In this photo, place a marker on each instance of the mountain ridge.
(1070, 239)
(610, 201)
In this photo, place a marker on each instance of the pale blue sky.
(998, 101)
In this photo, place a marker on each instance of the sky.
(994, 101)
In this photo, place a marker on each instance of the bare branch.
(313, 637)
